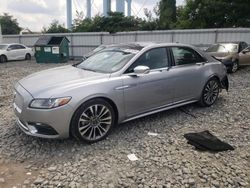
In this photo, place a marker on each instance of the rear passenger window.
(184, 56)
(13, 47)
(20, 47)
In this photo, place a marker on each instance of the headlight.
(49, 103)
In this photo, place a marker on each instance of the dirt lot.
(165, 160)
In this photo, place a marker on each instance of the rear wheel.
(27, 57)
(3, 59)
(210, 92)
(93, 121)
(234, 67)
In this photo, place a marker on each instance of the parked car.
(10, 52)
(232, 54)
(114, 86)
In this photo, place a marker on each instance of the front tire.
(3, 59)
(210, 92)
(93, 121)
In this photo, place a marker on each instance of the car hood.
(221, 55)
(50, 82)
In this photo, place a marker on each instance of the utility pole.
(1, 36)
(69, 14)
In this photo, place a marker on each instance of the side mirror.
(246, 51)
(141, 70)
(8, 49)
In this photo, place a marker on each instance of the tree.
(115, 22)
(213, 14)
(149, 23)
(167, 14)
(9, 24)
(55, 27)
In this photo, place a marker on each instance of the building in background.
(120, 7)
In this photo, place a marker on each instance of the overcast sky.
(35, 14)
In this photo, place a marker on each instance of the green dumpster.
(51, 49)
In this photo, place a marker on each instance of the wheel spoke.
(83, 120)
(96, 110)
(104, 113)
(92, 111)
(99, 130)
(90, 134)
(94, 132)
(85, 131)
(85, 115)
(83, 127)
(100, 113)
(105, 119)
(103, 129)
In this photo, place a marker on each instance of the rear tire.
(234, 67)
(210, 92)
(28, 57)
(3, 59)
(93, 121)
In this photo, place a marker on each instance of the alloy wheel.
(211, 92)
(95, 122)
(235, 67)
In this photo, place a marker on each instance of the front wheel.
(3, 59)
(210, 92)
(93, 121)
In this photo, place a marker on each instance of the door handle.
(202, 63)
(125, 87)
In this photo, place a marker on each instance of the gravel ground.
(165, 160)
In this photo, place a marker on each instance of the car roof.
(11, 44)
(141, 45)
(231, 42)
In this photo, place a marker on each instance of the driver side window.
(154, 59)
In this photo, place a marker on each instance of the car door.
(21, 51)
(12, 52)
(244, 57)
(188, 70)
(145, 92)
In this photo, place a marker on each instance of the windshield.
(223, 48)
(107, 61)
(99, 48)
(3, 47)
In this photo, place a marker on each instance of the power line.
(145, 1)
(95, 6)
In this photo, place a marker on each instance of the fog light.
(32, 129)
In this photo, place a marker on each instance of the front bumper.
(45, 123)
(33, 131)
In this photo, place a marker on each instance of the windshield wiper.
(87, 69)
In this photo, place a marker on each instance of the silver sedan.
(113, 86)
